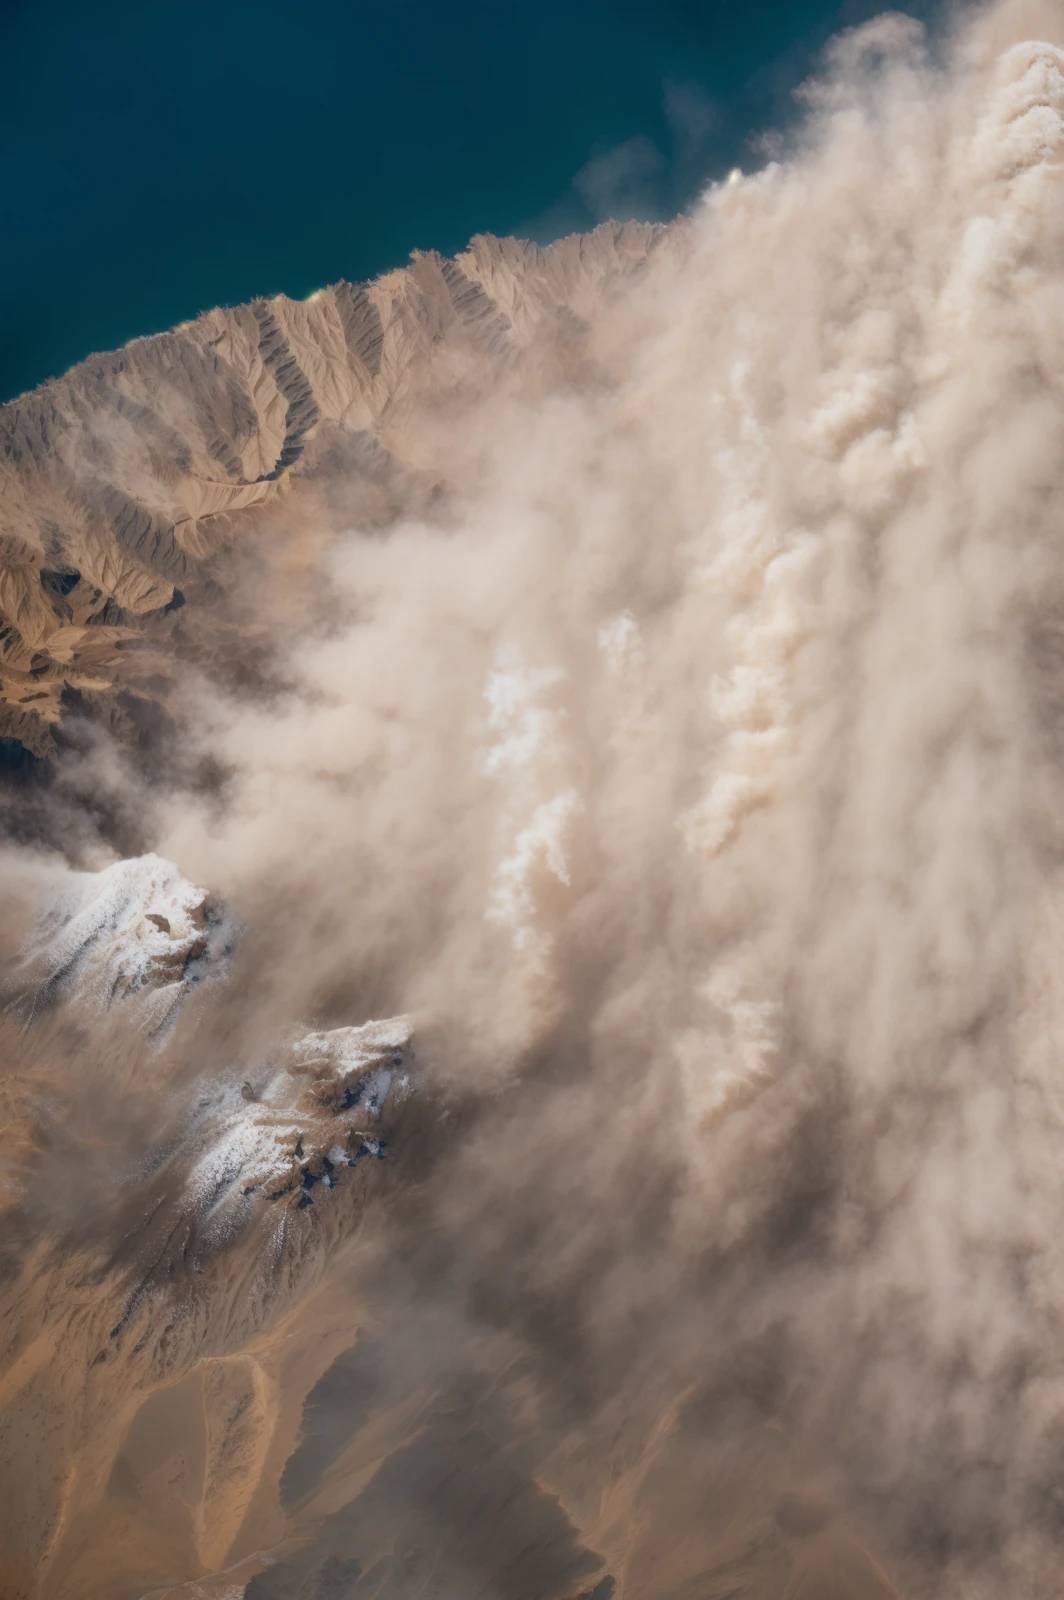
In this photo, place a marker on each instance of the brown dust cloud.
(689, 770)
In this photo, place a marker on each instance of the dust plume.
(691, 772)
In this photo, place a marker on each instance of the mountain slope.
(121, 480)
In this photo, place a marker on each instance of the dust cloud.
(692, 773)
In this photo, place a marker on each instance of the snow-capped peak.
(136, 928)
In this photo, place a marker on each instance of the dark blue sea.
(158, 159)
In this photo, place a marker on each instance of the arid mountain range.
(164, 1416)
(124, 484)
(530, 983)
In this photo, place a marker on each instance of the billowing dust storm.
(685, 774)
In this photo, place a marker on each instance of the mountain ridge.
(122, 479)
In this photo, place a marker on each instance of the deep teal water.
(158, 159)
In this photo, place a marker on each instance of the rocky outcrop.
(119, 481)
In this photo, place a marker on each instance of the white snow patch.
(137, 926)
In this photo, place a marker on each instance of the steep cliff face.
(121, 481)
